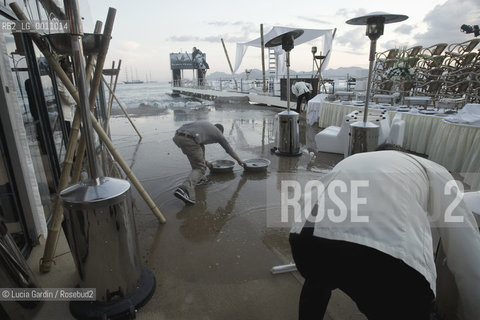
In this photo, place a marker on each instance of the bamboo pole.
(102, 55)
(51, 7)
(110, 101)
(110, 98)
(92, 58)
(78, 165)
(122, 107)
(111, 83)
(262, 46)
(229, 63)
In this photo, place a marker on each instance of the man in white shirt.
(301, 90)
(369, 235)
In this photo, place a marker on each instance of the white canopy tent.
(308, 35)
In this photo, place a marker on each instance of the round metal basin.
(256, 164)
(222, 166)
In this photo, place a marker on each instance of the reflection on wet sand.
(213, 260)
(199, 223)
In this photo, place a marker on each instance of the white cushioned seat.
(384, 130)
(397, 132)
(335, 139)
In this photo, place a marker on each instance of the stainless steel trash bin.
(288, 134)
(363, 137)
(102, 237)
(15, 273)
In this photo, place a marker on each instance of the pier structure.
(231, 97)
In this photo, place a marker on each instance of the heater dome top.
(370, 17)
(280, 39)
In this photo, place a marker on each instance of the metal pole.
(262, 46)
(287, 56)
(72, 14)
(373, 46)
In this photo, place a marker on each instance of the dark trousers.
(300, 98)
(382, 286)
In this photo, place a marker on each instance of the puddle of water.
(218, 252)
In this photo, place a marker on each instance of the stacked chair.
(383, 62)
(440, 71)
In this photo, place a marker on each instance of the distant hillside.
(354, 72)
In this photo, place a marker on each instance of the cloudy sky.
(146, 32)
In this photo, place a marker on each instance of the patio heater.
(287, 139)
(100, 223)
(364, 134)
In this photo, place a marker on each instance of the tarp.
(308, 35)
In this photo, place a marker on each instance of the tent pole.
(262, 45)
(121, 107)
(229, 63)
(110, 101)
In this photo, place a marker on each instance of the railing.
(240, 85)
(256, 85)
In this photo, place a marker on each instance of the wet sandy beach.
(213, 260)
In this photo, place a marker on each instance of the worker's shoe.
(183, 195)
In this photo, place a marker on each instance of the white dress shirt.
(66, 100)
(299, 88)
(406, 196)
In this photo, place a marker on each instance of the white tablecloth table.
(455, 146)
(331, 114)
(420, 129)
(314, 106)
(452, 145)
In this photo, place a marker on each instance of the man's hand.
(208, 164)
(236, 157)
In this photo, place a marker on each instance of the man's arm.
(235, 156)
(224, 143)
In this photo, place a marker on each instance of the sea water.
(152, 94)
